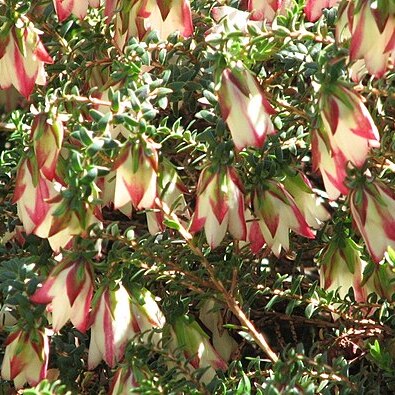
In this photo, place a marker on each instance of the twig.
(232, 303)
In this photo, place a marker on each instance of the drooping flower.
(220, 205)
(142, 16)
(47, 135)
(373, 210)
(341, 268)
(276, 213)
(64, 8)
(26, 357)
(313, 8)
(349, 123)
(22, 58)
(267, 9)
(371, 30)
(146, 315)
(136, 175)
(66, 222)
(331, 163)
(347, 136)
(68, 289)
(307, 201)
(245, 108)
(171, 192)
(31, 195)
(211, 315)
(111, 326)
(188, 336)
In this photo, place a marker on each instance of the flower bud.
(47, 135)
(245, 108)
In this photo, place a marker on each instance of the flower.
(26, 357)
(22, 58)
(276, 213)
(373, 210)
(245, 108)
(341, 268)
(267, 9)
(31, 195)
(47, 135)
(146, 315)
(308, 203)
(136, 175)
(330, 161)
(171, 192)
(142, 16)
(313, 8)
(64, 8)
(211, 315)
(67, 222)
(349, 123)
(111, 326)
(188, 336)
(68, 289)
(371, 30)
(220, 205)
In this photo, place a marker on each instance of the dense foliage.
(197, 197)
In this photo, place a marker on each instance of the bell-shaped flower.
(66, 222)
(47, 135)
(220, 205)
(313, 8)
(341, 268)
(138, 17)
(26, 357)
(111, 329)
(64, 8)
(68, 289)
(373, 210)
(187, 335)
(22, 58)
(308, 202)
(245, 108)
(276, 213)
(211, 315)
(331, 163)
(371, 31)
(349, 123)
(171, 191)
(107, 186)
(268, 9)
(147, 318)
(136, 175)
(32, 192)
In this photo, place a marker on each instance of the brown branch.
(231, 302)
